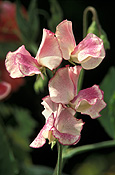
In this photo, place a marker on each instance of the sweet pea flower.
(20, 63)
(63, 89)
(5, 89)
(61, 126)
(89, 52)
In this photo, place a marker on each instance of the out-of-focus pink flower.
(4, 76)
(61, 125)
(89, 52)
(5, 89)
(9, 30)
(63, 89)
(20, 63)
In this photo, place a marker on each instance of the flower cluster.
(63, 100)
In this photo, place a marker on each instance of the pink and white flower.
(89, 52)
(62, 126)
(63, 89)
(20, 63)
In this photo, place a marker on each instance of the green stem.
(68, 153)
(80, 81)
(59, 162)
(85, 20)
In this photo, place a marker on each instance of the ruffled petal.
(65, 38)
(67, 128)
(5, 89)
(94, 110)
(88, 99)
(40, 140)
(93, 62)
(28, 65)
(61, 88)
(91, 50)
(50, 107)
(20, 63)
(49, 54)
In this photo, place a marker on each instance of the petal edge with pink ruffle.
(20, 63)
(90, 101)
(67, 129)
(89, 52)
(40, 140)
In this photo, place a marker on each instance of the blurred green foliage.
(96, 164)
(108, 114)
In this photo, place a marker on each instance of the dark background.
(92, 131)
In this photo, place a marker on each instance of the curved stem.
(95, 18)
(73, 151)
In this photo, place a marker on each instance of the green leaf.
(37, 170)
(108, 114)
(29, 27)
(7, 161)
(34, 19)
(20, 124)
(93, 28)
(22, 23)
(25, 122)
(56, 15)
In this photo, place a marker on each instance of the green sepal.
(53, 143)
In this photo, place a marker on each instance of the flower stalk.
(59, 162)
(94, 18)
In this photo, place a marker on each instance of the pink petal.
(50, 106)
(89, 49)
(40, 140)
(74, 75)
(87, 99)
(67, 128)
(93, 62)
(28, 65)
(20, 63)
(61, 88)
(49, 54)
(94, 110)
(65, 38)
(5, 89)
